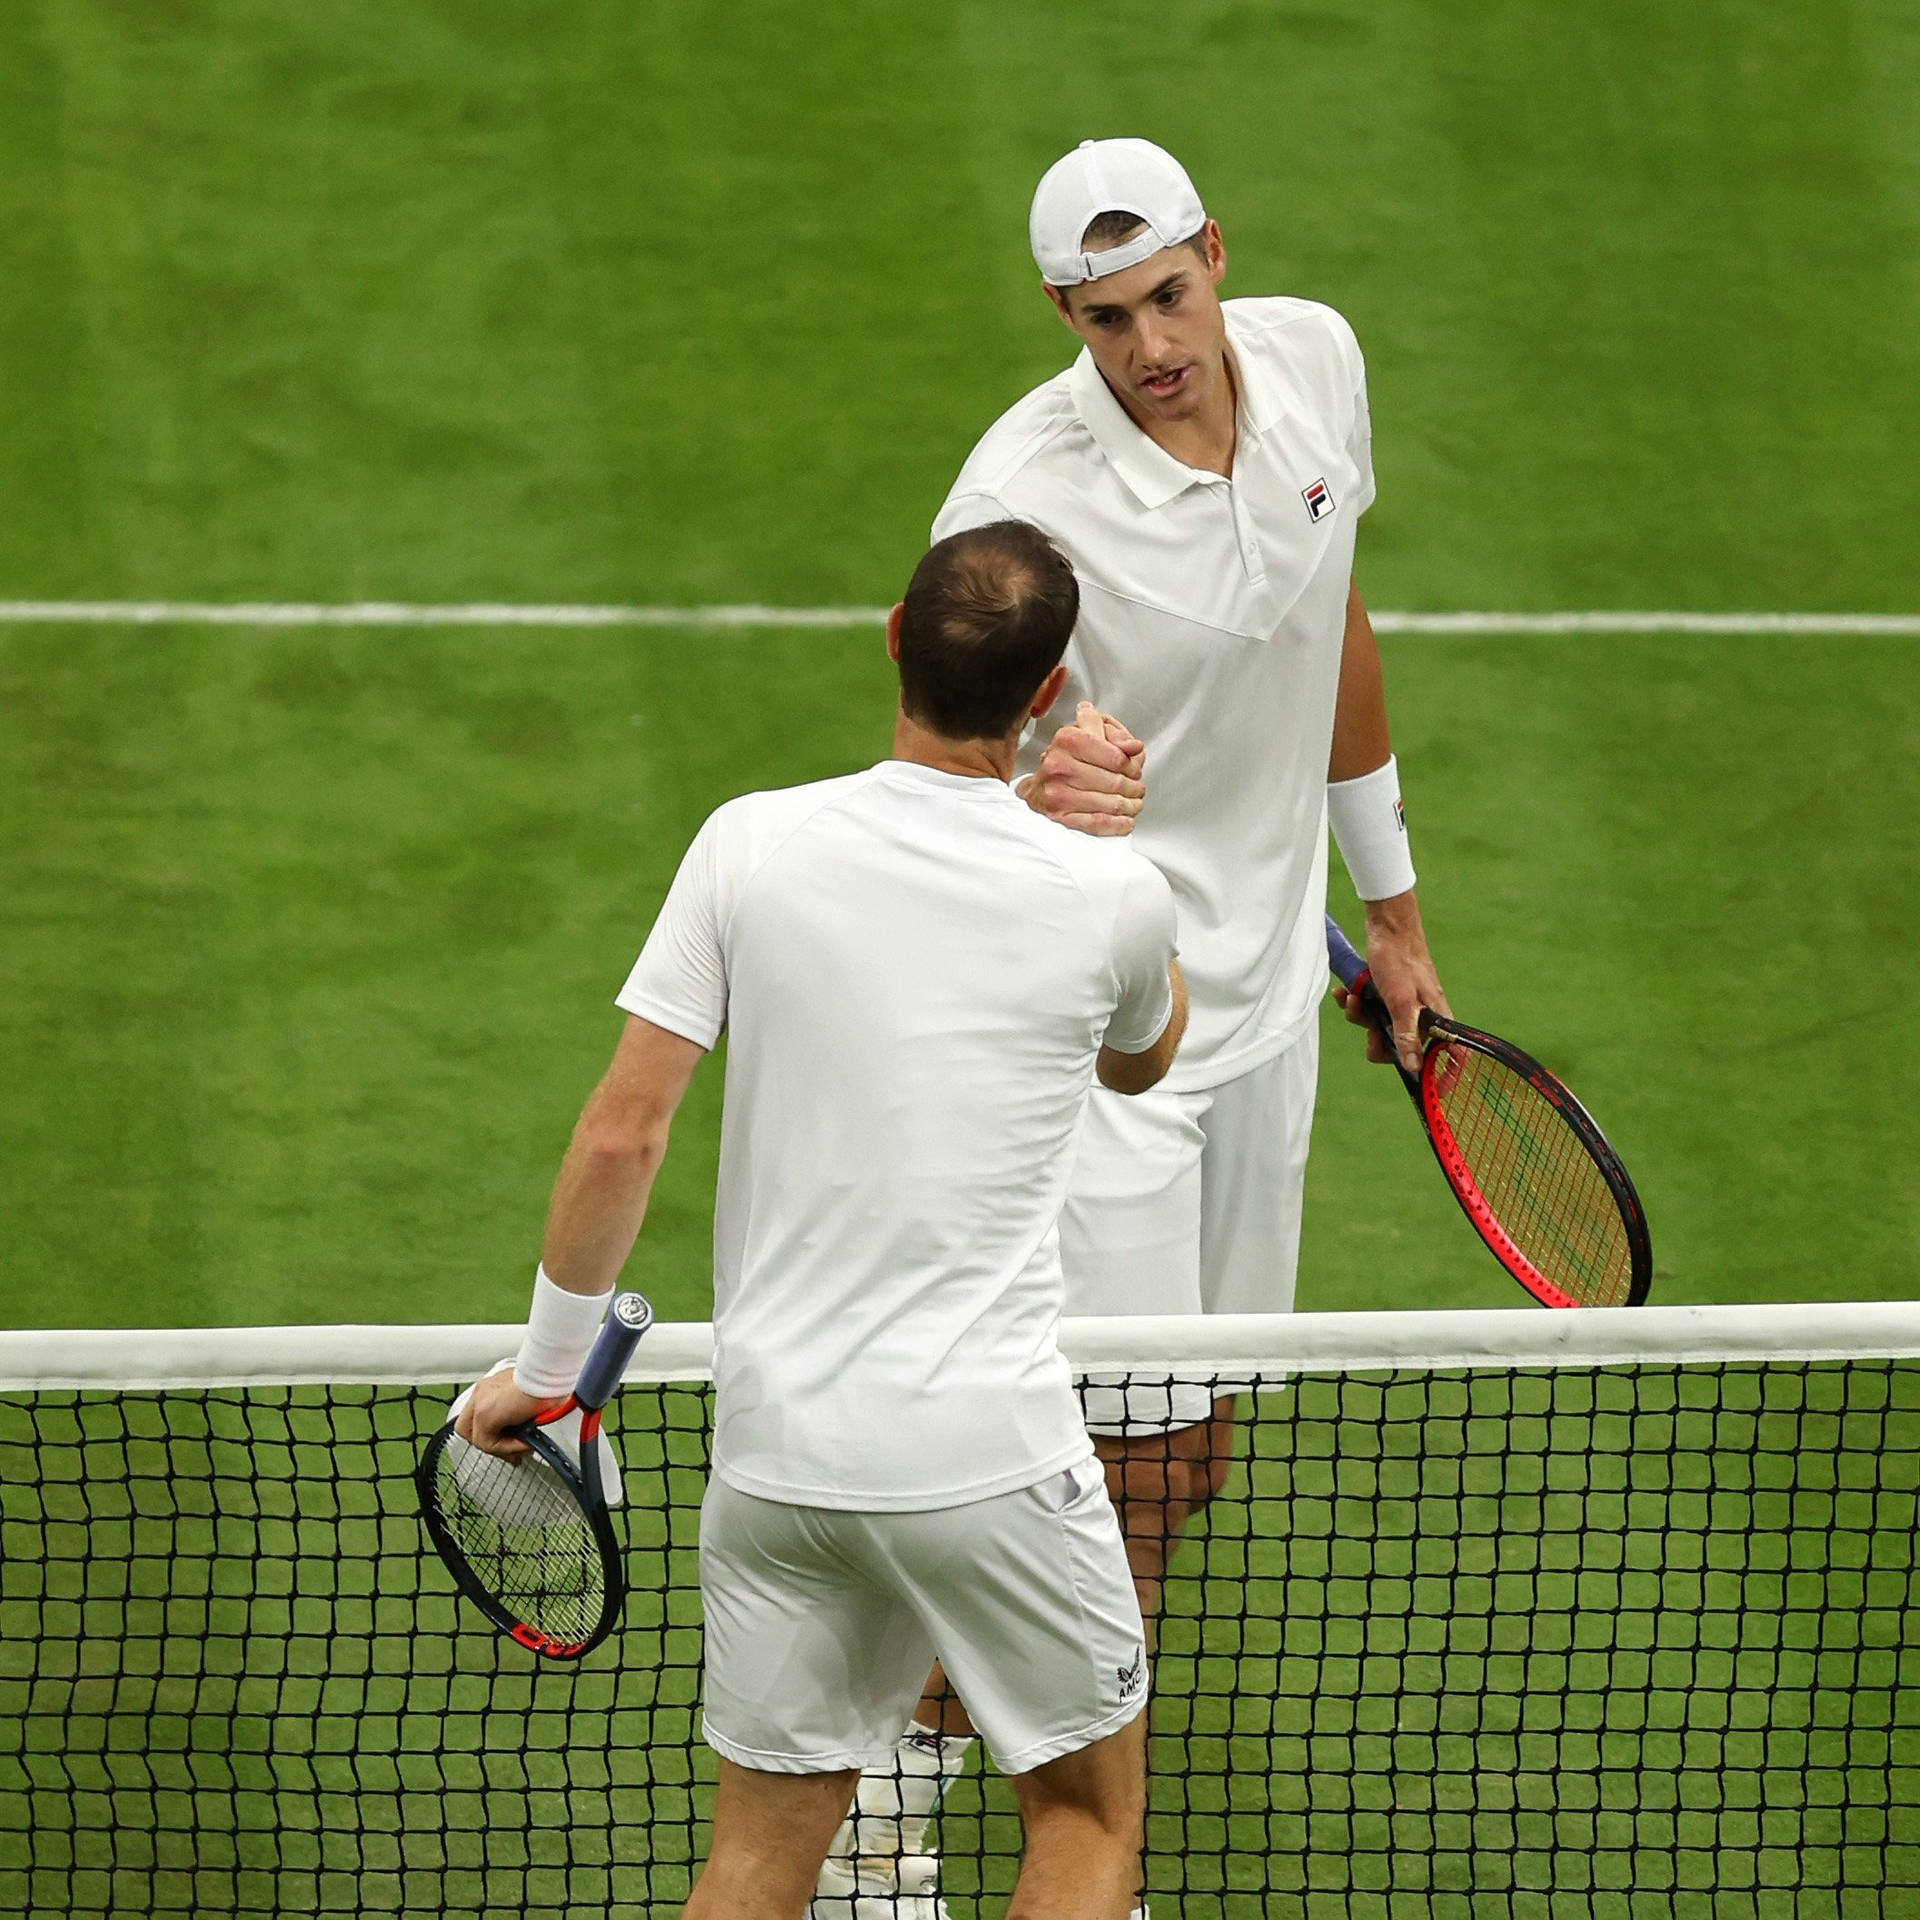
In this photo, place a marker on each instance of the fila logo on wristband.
(1369, 825)
(1319, 500)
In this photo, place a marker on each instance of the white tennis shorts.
(821, 1625)
(1188, 1203)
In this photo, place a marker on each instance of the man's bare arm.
(1136, 1072)
(1396, 943)
(599, 1199)
(619, 1141)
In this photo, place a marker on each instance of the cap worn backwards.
(1110, 176)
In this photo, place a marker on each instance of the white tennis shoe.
(873, 1889)
(904, 1889)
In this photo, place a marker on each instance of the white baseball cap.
(1110, 176)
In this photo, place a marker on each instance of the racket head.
(528, 1541)
(1532, 1171)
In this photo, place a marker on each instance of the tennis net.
(1509, 1614)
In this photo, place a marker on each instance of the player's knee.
(1109, 1818)
(1098, 1790)
(1211, 1477)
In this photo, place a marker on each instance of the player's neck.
(1205, 441)
(983, 759)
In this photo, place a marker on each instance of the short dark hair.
(1115, 228)
(987, 615)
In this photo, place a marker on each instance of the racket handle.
(1348, 963)
(628, 1318)
(1351, 970)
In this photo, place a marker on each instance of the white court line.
(390, 613)
(387, 613)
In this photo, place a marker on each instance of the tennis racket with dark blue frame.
(529, 1541)
(1528, 1165)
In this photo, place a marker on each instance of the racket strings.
(1536, 1176)
(525, 1537)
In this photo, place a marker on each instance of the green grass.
(313, 941)
(309, 941)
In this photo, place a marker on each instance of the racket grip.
(1346, 960)
(628, 1318)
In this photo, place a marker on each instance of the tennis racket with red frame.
(1523, 1157)
(529, 1541)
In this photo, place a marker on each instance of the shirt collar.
(1153, 474)
(918, 773)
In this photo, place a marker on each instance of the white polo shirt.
(1211, 619)
(916, 972)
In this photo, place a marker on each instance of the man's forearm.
(1360, 738)
(600, 1198)
(599, 1201)
(1137, 1072)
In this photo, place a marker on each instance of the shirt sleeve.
(1360, 434)
(1143, 945)
(680, 980)
(965, 510)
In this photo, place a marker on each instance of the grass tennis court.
(313, 943)
(308, 941)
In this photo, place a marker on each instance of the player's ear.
(1049, 691)
(1216, 253)
(1060, 306)
(893, 631)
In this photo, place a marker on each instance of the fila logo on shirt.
(1319, 499)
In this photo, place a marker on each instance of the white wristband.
(1370, 829)
(561, 1327)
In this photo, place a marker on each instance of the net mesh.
(1621, 1641)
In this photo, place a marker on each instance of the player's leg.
(877, 1865)
(1031, 1603)
(811, 1671)
(770, 1833)
(1253, 1174)
(1159, 1477)
(1129, 1243)
(1084, 1815)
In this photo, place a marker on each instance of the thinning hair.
(987, 615)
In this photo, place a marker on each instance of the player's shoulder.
(744, 831)
(1038, 428)
(1284, 327)
(1106, 867)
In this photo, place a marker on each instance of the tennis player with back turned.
(921, 977)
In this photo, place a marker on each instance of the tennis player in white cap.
(1204, 466)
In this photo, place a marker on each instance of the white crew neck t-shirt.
(1212, 614)
(916, 972)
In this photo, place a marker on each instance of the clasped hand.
(1091, 776)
